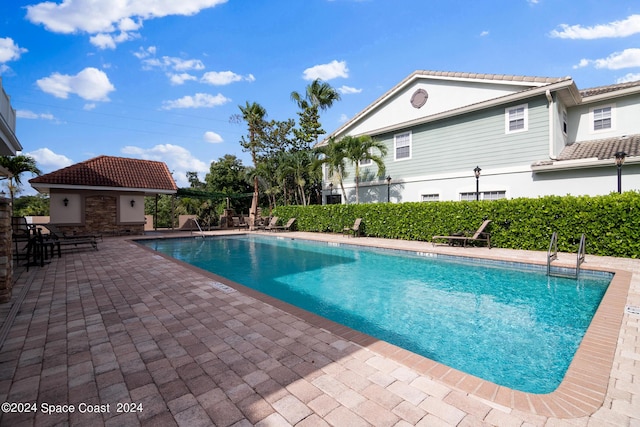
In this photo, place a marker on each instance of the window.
(484, 195)
(402, 143)
(602, 118)
(366, 162)
(565, 126)
(516, 118)
(430, 197)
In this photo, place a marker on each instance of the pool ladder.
(195, 221)
(552, 255)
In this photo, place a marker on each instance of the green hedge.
(610, 223)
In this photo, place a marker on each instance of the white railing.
(7, 113)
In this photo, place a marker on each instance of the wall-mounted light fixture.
(133, 203)
(66, 201)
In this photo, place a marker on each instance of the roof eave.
(565, 165)
(610, 95)
(518, 96)
(46, 188)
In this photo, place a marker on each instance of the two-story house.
(528, 136)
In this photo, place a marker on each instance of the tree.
(253, 114)
(334, 156)
(17, 165)
(361, 148)
(319, 96)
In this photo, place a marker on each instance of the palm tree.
(361, 148)
(253, 114)
(17, 165)
(334, 156)
(318, 94)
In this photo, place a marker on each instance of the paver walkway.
(123, 337)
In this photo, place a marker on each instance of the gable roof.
(107, 172)
(531, 86)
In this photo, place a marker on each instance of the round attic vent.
(419, 98)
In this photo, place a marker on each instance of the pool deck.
(124, 325)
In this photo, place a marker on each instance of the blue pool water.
(513, 326)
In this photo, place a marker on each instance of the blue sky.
(159, 80)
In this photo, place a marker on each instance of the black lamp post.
(388, 189)
(620, 155)
(476, 171)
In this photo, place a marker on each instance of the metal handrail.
(197, 225)
(581, 254)
(552, 253)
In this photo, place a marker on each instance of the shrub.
(611, 223)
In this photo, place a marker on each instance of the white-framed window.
(602, 118)
(402, 146)
(516, 119)
(366, 162)
(565, 123)
(484, 195)
(430, 197)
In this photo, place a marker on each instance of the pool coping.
(581, 392)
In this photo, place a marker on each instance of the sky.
(160, 79)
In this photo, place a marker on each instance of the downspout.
(552, 155)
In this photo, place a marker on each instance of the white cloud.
(630, 77)
(624, 28)
(106, 17)
(170, 62)
(179, 160)
(212, 137)
(221, 78)
(27, 114)
(47, 160)
(628, 58)
(347, 90)
(343, 118)
(178, 79)
(9, 50)
(145, 53)
(90, 84)
(329, 71)
(199, 100)
(484, 33)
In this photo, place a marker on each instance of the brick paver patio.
(124, 337)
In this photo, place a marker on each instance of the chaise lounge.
(479, 236)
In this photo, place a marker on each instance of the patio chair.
(273, 223)
(71, 241)
(239, 222)
(20, 235)
(460, 238)
(286, 227)
(355, 229)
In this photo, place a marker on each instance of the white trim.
(592, 118)
(508, 118)
(41, 187)
(395, 146)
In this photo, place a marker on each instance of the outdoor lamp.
(66, 201)
(133, 203)
(620, 155)
(388, 188)
(476, 171)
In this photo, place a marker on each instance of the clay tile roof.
(107, 171)
(609, 88)
(481, 76)
(602, 148)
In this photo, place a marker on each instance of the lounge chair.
(355, 229)
(460, 238)
(286, 227)
(273, 223)
(238, 222)
(71, 241)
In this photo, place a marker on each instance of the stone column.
(6, 250)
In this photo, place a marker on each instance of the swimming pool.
(509, 324)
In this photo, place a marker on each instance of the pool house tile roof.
(113, 172)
